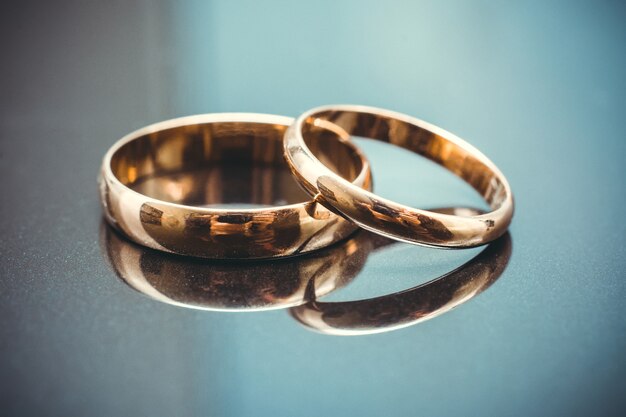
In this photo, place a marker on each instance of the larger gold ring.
(387, 217)
(164, 153)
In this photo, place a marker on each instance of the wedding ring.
(206, 284)
(386, 217)
(150, 188)
(412, 306)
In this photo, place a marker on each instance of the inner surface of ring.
(223, 163)
(416, 139)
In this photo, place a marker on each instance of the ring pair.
(143, 179)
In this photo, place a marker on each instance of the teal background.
(539, 87)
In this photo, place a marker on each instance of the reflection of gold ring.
(156, 216)
(387, 217)
(226, 286)
(402, 309)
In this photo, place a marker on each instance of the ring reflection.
(409, 307)
(298, 282)
(229, 286)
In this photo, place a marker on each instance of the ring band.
(386, 217)
(409, 307)
(144, 185)
(227, 286)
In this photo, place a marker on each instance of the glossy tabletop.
(92, 325)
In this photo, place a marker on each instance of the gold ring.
(386, 217)
(409, 307)
(149, 191)
(205, 284)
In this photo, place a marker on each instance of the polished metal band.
(148, 190)
(384, 216)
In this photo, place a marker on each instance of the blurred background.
(538, 86)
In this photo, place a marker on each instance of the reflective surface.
(300, 281)
(537, 86)
(235, 286)
(411, 306)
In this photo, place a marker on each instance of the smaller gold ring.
(386, 217)
(145, 192)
